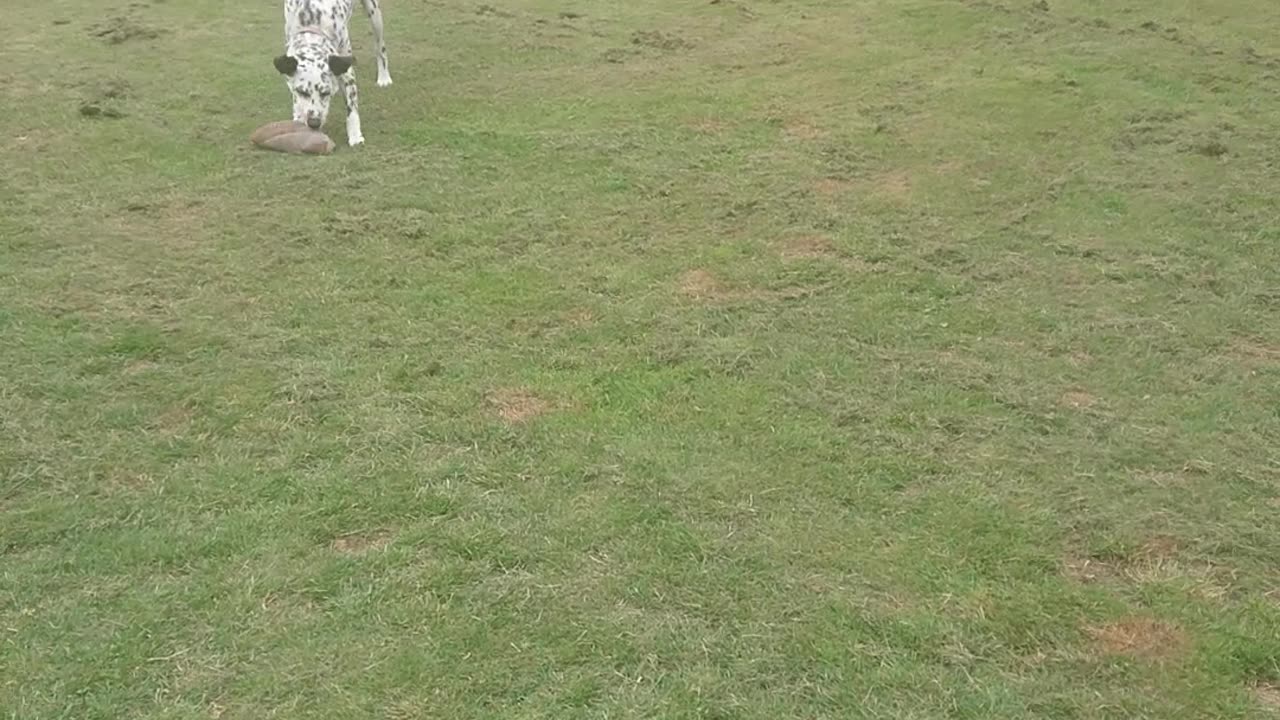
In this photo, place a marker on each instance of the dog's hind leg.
(375, 18)
(351, 94)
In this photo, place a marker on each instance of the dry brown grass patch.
(1141, 638)
(140, 367)
(1162, 478)
(821, 247)
(580, 318)
(1268, 696)
(1078, 400)
(517, 406)
(894, 185)
(1159, 560)
(1254, 353)
(174, 420)
(1161, 548)
(1088, 570)
(1080, 358)
(359, 543)
(702, 285)
(1143, 564)
(807, 247)
(709, 126)
(802, 130)
(831, 187)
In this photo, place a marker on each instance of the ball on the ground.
(292, 137)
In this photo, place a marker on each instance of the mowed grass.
(734, 359)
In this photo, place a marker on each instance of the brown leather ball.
(292, 137)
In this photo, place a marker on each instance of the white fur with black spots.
(318, 62)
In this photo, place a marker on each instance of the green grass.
(741, 359)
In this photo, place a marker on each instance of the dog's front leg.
(351, 94)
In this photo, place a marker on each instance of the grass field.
(665, 359)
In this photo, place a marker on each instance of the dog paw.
(356, 141)
(384, 81)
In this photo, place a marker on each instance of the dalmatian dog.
(317, 60)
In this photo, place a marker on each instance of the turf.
(716, 359)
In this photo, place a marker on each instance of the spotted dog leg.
(375, 18)
(351, 94)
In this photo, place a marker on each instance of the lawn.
(749, 359)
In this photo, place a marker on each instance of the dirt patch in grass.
(817, 247)
(1080, 358)
(1088, 570)
(709, 126)
(140, 367)
(702, 285)
(118, 480)
(802, 130)
(831, 187)
(807, 247)
(1160, 548)
(174, 420)
(1078, 400)
(580, 318)
(1267, 695)
(518, 406)
(1141, 638)
(893, 185)
(1254, 353)
(359, 543)
(1162, 478)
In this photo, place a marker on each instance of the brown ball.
(292, 137)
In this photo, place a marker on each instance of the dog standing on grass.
(317, 59)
